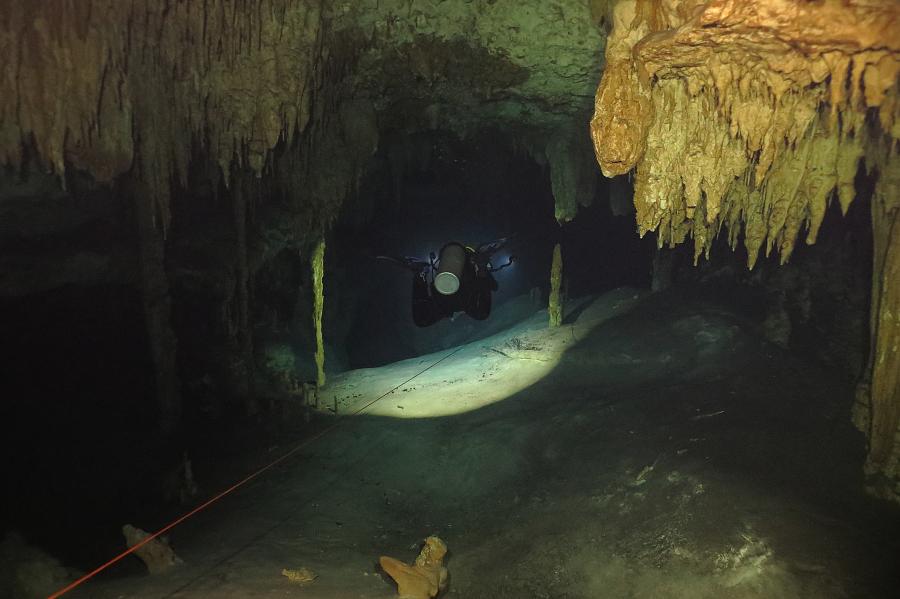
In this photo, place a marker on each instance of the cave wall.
(124, 90)
(96, 84)
(226, 129)
(747, 118)
(816, 305)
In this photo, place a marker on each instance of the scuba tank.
(448, 270)
(450, 267)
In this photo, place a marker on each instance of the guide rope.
(242, 482)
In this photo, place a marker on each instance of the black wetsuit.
(473, 296)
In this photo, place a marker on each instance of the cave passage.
(220, 222)
(683, 429)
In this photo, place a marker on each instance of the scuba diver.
(459, 279)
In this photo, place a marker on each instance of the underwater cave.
(475, 299)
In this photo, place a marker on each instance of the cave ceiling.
(528, 70)
(108, 87)
(522, 67)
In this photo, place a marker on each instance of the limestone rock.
(423, 579)
(501, 62)
(301, 576)
(745, 118)
(27, 572)
(155, 553)
(528, 69)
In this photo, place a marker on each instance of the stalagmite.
(555, 307)
(318, 270)
(747, 118)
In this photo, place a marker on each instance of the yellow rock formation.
(155, 553)
(426, 577)
(744, 117)
(555, 306)
(318, 273)
(301, 576)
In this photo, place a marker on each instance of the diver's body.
(461, 281)
(472, 297)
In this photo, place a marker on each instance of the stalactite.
(89, 82)
(737, 118)
(318, 271)
(112, 87)
(573, 177)
(555, 308)
(748, 117)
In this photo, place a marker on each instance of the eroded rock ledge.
(749, 117)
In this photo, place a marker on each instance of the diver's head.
(450, 268)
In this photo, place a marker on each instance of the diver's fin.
(491, 247)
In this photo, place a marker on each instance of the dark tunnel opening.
(473, 191)
(79, 421)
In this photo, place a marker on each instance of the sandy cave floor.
(650, 447)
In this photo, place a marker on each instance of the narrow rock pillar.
(318, 270)
(883, 461)
(556, 298)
